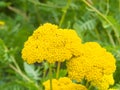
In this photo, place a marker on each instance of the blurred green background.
(93, 20)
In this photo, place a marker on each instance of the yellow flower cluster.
(52, 44)
(63, 83)
(94, 64)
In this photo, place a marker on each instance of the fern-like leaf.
(87, 23)
(32, 72)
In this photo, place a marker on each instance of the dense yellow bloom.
(63, 83)
(93, 64)
(52, 44)
(73, 42)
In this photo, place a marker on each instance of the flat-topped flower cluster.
(88, 61)
(94, 64)
(52, 44)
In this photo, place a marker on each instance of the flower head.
(50, 43)
(93, 64)
(63, 83)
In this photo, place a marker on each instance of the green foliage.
(32, 72)
(99, 22)
(12, 86)
(4, 53)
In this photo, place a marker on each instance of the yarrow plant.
(88, 65)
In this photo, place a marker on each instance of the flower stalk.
(50, 75)
(58, 70)
(64, 13)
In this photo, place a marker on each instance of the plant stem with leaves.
(105, 18)
(58, 70)
(110, 38)
(17, 69)
(64, 13)
(60, 24)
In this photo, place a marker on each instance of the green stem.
(119, 5)
(50, 75)
(64, 13)
(19, 72)
(15, 63)
(37, 14)
(107, 10)
(22, 74)
(97, 33)
(87, 84)
(105, 18)
(44, 73)
(16, 10)
(58, 70)
(90, 86)
(17, 69)
(110, 38)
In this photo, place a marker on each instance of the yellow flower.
(93, 64)
(63, 83)
(75, 68)
(2, 23)
(52, 44)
